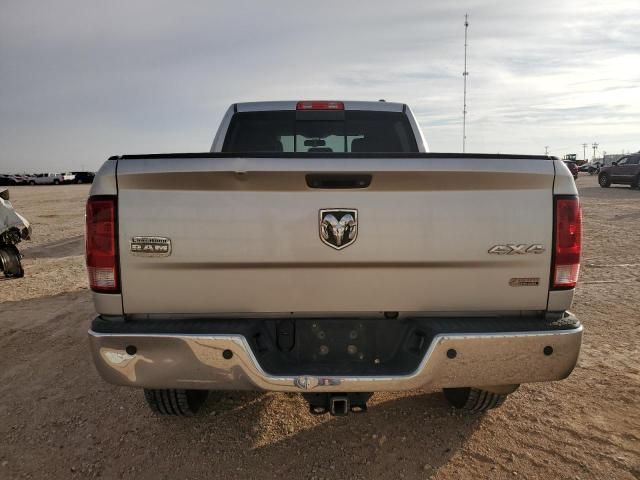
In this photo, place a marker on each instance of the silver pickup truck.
(319, 248)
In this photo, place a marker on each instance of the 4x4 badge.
(516, 249)
(338, 227)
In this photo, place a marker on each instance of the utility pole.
(595, 147)
(546, 149)
(465, 74)
(584, 151)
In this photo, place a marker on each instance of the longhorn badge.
(338, 227)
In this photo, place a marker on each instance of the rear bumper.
(227, 361)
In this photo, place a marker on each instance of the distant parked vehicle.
(8, 180)
(68, 177)
(22, 179)
(625, 171)
(573, 168)
(590, 168)
(84, 177)
(46, 179)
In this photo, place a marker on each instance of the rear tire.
(604, 180)
(175, 402)
(635, 183)
(56, 182)
(473, 400)
(32, 182)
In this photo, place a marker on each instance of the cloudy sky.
(82, 80)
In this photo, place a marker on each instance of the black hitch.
(337, 404)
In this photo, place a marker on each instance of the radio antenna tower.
(465, 74)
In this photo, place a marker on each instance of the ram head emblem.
(338, 227)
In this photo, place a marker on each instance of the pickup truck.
(46, 179)
(319, 248)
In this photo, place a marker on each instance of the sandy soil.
(58, 419)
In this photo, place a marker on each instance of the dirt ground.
(58, 419)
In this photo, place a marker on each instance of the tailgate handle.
(338, 180)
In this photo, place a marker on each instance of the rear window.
(320, 132)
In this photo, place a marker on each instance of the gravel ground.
(58, 419)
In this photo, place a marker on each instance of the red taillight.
(567, 242)
(102, 244)
(316, 105)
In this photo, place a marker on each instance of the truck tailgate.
(245, 235)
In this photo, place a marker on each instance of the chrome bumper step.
(227, 362)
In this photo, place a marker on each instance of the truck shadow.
(404, 435)
(407, 437)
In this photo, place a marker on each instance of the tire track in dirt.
(67, 247)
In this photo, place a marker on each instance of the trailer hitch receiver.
(337, 404)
